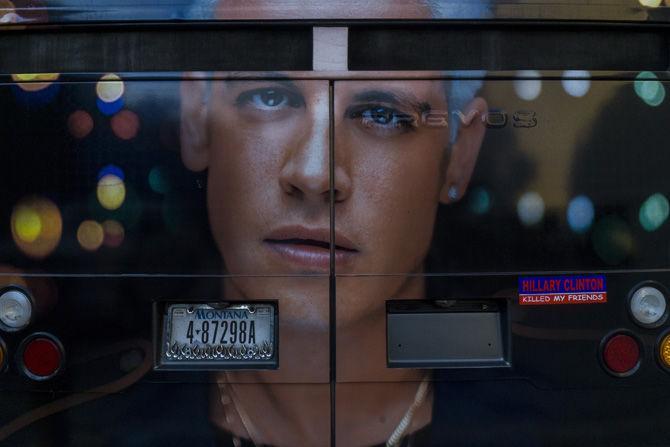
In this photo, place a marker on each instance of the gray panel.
(444, 339)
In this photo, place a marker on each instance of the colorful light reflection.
(480, 201)
(27, 223)
(111, 192)
(128, 214)
(159, 179)
(125, 124)
(109, 88)
(111, 169)
(35, 89)
(80, 124)
(528, 89)
(580, 214)
(649, 88)
(113, 233)
(530, 208)
(576, 83)
(37, 226)
(654, 212)
(34, 82)
(90, 235)
(109, 108)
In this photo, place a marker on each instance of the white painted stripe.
(329, 48)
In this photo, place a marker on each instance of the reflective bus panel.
(430, 250)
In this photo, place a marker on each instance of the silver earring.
(453, 193)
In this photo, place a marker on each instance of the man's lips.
(309, 247)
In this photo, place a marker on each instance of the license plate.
(213, 336)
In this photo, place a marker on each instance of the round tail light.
(621, 354)
(41, 356)
(16, 310)
(664, 351)
(648, 306)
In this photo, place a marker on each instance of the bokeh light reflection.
(580, 214)
(530, 208)
(650, 3)
(125, 124)
(35, 89)
(113, 233)
(576, 83)
(109, 88)
(612, 240)
(159, 179)
(649, 89)
(109, 108)
(480, 201)
(90, 235)
(111, 191)
(80, 124)
(654, 212)
(27, 224)
(37, 226)
(34, 82)
(129, 214)
(528, 89)
(113, 170)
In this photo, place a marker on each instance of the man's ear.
(464, 151)
(194, 136)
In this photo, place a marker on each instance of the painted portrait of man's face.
(291, 164)
(310, 177)
(267, 150)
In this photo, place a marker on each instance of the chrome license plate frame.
(217, 336)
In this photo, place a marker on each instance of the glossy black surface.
(518, 217)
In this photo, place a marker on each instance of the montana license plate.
(212, 336)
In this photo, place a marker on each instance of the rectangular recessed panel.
(507, 47)
(456, 336)
(121, 49)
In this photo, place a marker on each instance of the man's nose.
(306, 171)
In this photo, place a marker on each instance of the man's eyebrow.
(288, 83)
(274, 76)
(398, 99)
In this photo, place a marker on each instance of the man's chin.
(303, 300)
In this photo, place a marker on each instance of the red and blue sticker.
(553, 290)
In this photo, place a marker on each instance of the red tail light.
(621, 354)
(41, 356)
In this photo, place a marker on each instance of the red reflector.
(621, 353)
(42, 357)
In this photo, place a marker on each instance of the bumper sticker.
(553, 290)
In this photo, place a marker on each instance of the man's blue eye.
(384, 117)
(271, 98)
(380, 115)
